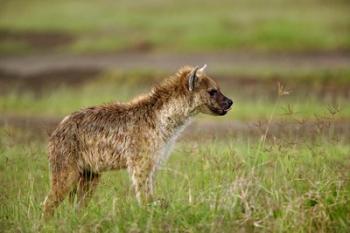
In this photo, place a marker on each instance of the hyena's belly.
(101, 154)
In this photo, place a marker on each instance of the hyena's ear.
(202, 69)
(192, 78)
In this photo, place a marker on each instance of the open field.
(181, 26)
(221, 186)
(311, 94)
(279, 161)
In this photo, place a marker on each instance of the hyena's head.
(206, 93)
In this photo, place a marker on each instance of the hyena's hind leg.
(62, 182)
(85, 188)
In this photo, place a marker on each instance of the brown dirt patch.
(37, 40)
(198, 131)
(275, 130)
(53, 68)
(242, 85)
(171, 62)
(44, 81)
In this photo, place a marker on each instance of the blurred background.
(278, 162)
(60, 56)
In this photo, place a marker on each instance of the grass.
(63, 102)
(182, 26)
(253, 102)
(218, 186)
(285, 183)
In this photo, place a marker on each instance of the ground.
(208, 185)
(180, 27)
(278, 162)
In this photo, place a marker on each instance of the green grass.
(182, 26)
(235, 184)
(250, 104)
(217, 186)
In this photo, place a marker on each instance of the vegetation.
(217, 186)
(280, 176)
(308, 98)
(282, 183)
(181, 26)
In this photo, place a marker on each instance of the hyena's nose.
(228, 103)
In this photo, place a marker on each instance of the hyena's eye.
(213, 92)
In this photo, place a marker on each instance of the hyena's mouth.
(220, 111)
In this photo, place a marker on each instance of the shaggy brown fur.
(136, 136)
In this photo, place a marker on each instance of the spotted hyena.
(135, 136)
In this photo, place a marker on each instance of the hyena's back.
(91, 140)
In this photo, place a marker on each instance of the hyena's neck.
(173, 115)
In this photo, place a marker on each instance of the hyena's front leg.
(142, 171)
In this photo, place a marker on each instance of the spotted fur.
(136, 136)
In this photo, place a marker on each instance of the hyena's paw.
(160, 203)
